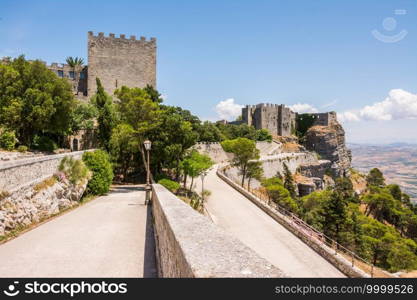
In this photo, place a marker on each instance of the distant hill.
(398, 162)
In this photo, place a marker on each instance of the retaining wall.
(18, 174)
(189, 245)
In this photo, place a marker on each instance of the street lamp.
(147, 145)
(203, 175)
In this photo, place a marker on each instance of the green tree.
(106, 114)
(172, 139)
(76, 63)
(254, 171)
(84, 116)
(153, 94)
(124, 149)
(375, 178)
(33, 100)
(208, 132)
(194, 165)
(244, 150)
(99, 163)
(289, 181)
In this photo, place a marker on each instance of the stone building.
(278, 119)
(117, 61)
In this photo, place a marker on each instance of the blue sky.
(320, 54)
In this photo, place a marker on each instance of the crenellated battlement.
(122, 37)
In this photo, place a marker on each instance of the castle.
(117, 61)
(280, 120)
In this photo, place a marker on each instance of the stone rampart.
(189, 245)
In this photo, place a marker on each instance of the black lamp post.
(148, 145)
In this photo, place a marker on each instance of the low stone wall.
(338, 261)
(215, 151)
(18, 174)
(189, 245)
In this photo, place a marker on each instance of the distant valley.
(397, 161)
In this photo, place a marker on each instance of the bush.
(22, 148)
(74, 169)
(99, 163)
(173, 186)
(44, 143)
(7, 140)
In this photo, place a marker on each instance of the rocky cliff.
(329, 143)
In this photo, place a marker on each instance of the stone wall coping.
(207, 250)
(33, 160)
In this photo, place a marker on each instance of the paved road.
(110, 236)
(232, 211)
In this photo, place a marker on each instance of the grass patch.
(45, 184)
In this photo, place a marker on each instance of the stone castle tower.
(278, 119)
(119, 61)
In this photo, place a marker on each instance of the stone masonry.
(120, 62)
(117, 61)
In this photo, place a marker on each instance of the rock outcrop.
(27, 206)
(329, 143)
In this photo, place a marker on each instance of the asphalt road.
(110, 236)
(236, 214)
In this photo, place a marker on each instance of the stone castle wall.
(277, 119)
(120, 62)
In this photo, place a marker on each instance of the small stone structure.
(189, 245)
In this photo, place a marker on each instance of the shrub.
(74, 169)
(22, 148)
(44, 143)
(4, 194)
(169, 184)
(7, 140)
(99, 163)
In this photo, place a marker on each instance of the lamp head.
(147, 145)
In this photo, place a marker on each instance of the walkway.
(236, 214)
(110, 236)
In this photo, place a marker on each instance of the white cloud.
(303, 108)
(228, 109)
(398, 105)
(347, 116)
(331, 103)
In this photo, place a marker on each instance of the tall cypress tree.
(106, 115)
(289, 182)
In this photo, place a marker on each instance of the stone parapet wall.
(17, 174)
(189, 245)
(329, 254)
